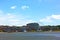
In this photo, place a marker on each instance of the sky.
(21, 12)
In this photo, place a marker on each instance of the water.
(29, 36)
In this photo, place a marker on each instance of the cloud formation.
(13, 19)
(47, 19)
(56, 16)
(51, 19)
(13, 7)
(24, 7)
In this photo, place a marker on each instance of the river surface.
(30, 36)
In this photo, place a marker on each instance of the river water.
(30, 36)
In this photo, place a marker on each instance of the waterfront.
(30, 36)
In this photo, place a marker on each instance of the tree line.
(30, 27)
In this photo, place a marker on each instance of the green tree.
(34, 26)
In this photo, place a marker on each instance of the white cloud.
(13, 19)
(24, 7)
(56, 16)
(47, 19)
(50, 18)
(13, 7)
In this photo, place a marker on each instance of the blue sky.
(21, 12)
